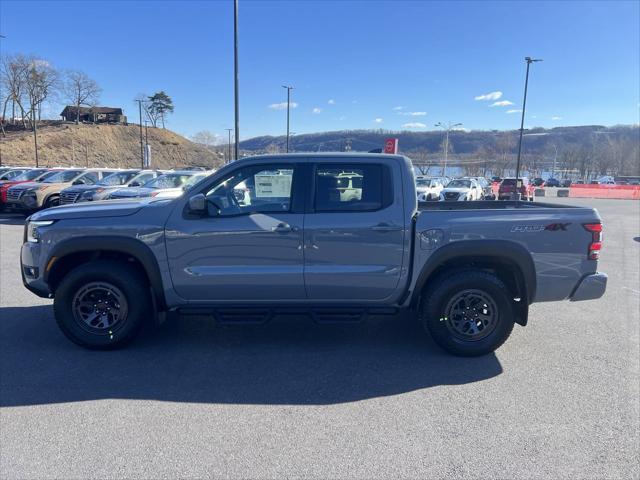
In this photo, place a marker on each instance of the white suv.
(428, 189)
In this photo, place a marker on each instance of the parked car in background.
(33, 175)
(102, 189)
(461, 189)
(176, 192)
(485, 185)
(12, 173)
(566, 183)
(537, 182)
(428, 189)
(169, 185)
(508, 188)
(33, 197)
(552, 182)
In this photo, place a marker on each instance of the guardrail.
(623, 192)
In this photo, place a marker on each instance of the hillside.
(102, 146)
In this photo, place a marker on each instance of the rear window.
(509, 181)
(352, 188)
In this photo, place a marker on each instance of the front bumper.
(590, 287)
(29, 259)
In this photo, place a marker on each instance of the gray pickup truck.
(335, 236)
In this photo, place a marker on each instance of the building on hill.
(94, 114)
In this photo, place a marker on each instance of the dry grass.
(103, 146)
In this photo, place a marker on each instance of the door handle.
(283, 228)
(386, 227)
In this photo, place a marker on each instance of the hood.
(132, 192)
(456, 189)
(10, 183)
(92, 210)
(27, 184)
(84, 188)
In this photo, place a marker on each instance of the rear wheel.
(469, 313)
(102, 305)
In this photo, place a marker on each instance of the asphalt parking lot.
(295, 399)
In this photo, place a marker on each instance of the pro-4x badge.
(552, 227)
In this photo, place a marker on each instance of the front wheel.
(102, 305)
(469, 313)
(52, 201)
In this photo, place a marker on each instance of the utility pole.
(235, 78)
(35, 134)
(229, 130)
(529, 61)
(447, 128)
(289, 88)
(141, 144)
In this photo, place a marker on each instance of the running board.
(259, 315)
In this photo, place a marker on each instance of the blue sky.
(353, 64)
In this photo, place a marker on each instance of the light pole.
(529, 61)
(141, 144)
(229, 130)
(289, 88)
(447, 128)
(235, 78)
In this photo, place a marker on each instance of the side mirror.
(134, 184)
(198, 203)
(78, 182)
(4, 178)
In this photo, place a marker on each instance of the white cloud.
(489, 96)
(378, 120)
(556, 117)
(413, 114)
(397, 109)
(316, 110)
(281, 106)
(331, 101)
(501, 103)
(514, 110)
(414, 125)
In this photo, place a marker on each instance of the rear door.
(354, 232)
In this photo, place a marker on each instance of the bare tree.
(14, 73)
(80, 90)
(206, 138)
(41, 84)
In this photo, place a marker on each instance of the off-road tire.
(126, 279)
(434, 316)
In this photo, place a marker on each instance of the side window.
(90, 177)
(257, 189)
(351, 188)
(142, 179)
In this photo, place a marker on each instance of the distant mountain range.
(536, 141)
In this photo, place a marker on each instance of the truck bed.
(489, 205)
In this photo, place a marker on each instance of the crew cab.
(294, 243)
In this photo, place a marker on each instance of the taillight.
(596, 240)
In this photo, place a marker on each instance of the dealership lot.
(292, 398)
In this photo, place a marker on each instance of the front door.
(248, 247)
(354, 233)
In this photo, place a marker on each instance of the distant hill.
(61, 143)
(589, 149)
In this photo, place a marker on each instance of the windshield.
(170, 180)
(423, 182)
(193, 180)
(459, 184)
(29, 175)
(63, 177)
(118, 178)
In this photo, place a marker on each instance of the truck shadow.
(289, 361)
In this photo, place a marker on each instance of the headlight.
(33, 233)
(41, 188)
